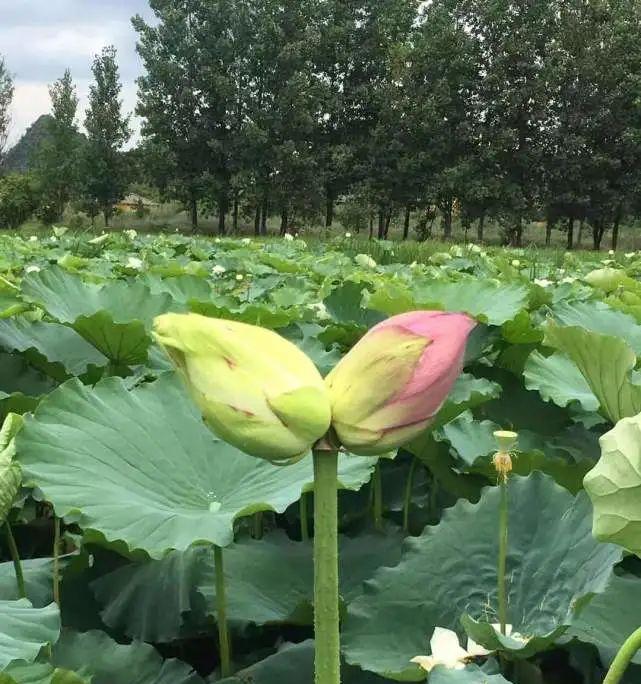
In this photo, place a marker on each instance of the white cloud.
(39, 40)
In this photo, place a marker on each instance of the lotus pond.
(116, 500)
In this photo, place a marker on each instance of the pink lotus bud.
(386, 390)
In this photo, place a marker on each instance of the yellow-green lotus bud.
(254, 389)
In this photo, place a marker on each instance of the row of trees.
(90, 169)
(497, 110)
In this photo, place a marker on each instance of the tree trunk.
(329, 210)
(381, 224)
(579, 236)
(193, 210)
(406, 222)
(371, 225)
(257, 220)
(447, 220)
(222, 212)
(518, 233)
(388, 220)
(549, 225)
(615, 230)
(284, 220)
(597, 234)
(570, 243)
(480, 228)
(106, 215)
(263, 216)
(234, 225)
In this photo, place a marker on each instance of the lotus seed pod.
(386, 390)
(255, 390)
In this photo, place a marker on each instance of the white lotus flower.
(629, 255)
(131, 234)
(456, 251)
(447, 651)
(135, 262)
(516, 263)
(240, 277)
(365, 261)
(33, 238)
(474, 248)
(218, 270)
(543, 282)
(348, 235)
(32, 269)
(246, 241)
(217, 241)
(611, 252)
(288, 237)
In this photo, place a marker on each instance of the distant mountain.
(20, 157)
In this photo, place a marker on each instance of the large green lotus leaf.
(129, 595)
(20, 384)
(25, 630)
(141, 467)
(51, 343)
(182, 289)
(38, 577)
(345, 305)
(614, 485)
(468, 392)
(609, 618)
(268, 581)
(474, 444)
(100, 659)
(489, 301)
(554, 563)
(10, 476)
(294, 664)
(39, 673)
(605, 362)
(306, 337)
(559, 380)
(599, 318)
(115, 317)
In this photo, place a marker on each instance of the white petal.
(475, 650)
(426, 662)
(445, 646)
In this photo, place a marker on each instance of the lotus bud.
(386, 390)
(255, 390)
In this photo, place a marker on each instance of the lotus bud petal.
(255, 390)
(386, 390)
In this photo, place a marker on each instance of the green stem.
(17, 564)
(326, 608)
(407, 503)
(622, 659)
(503, 531)
(304, 517)
(378, 497)
(221, 614)
(257, 532)
(56, 560)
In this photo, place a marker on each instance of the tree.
(57, 159)
(6, 96)
(107, 131)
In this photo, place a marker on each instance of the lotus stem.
(377, 484)
(17, 564)
(326, 607)
(257, 531)
(221, 614)
(622, 659)
(503, 536)
(407, 502)
(304, 517)
(56, 560)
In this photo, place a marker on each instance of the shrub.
(18, 199)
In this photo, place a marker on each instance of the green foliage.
(18, 199)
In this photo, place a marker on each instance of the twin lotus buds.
(260, 393)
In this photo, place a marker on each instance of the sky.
(41, 38)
